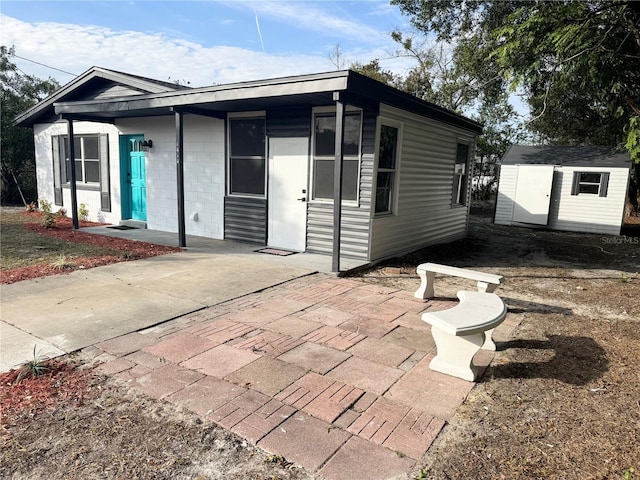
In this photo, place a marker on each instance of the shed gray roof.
(310, 90)
(591, 156)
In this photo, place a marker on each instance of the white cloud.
(75, 48)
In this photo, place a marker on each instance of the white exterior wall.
(576, 213)
(424, 214)
(585, 212)
(506, 194)
(204, 178)
(91, 198)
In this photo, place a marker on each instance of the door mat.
(122, 227)
(275, 251)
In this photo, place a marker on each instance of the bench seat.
(487, 282)
(460, 332)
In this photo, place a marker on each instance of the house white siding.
(204, 178)
(43, 134)
(578, 213)
(424, 214)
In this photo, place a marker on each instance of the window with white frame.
(91, 166)
(324, 148)
(460, 175)
(387, 165)
(247, 156)
(590, 183)
(87, 153)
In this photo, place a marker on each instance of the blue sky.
(202, 42)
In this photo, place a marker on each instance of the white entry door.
(533, 194)
(287, 214)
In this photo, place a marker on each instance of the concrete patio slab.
(220, 361)
(294, 436)
(267, 375)
(365, 374)
(359, 459)
(318, 358)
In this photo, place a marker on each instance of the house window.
(590, 183)
(460, 175)
(387, 160)
(324, 156)
(247, 160)
(87, 153)
(91, 166)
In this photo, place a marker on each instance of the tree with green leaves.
(443, 76)
(576, 61)
(19, 92)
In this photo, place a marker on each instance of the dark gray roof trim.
(313, 89)
(590, 156)
(45, 107)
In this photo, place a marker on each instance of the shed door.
(287, 212)
(533, 194)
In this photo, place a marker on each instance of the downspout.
(337, 182)
(182, 238)
(72, 174)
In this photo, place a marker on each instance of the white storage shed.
(579, 189)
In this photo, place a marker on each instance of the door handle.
(303, 199)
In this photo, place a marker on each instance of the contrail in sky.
(258, 27)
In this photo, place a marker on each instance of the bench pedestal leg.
(488, 341)
(426, 286)
(487, 287)
(455, 354)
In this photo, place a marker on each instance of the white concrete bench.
(461, 331)
(487, 282)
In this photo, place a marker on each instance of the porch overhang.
(309, 90)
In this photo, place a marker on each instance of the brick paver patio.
(332, 374)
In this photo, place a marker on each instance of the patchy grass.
(22, 247)
(30, 250)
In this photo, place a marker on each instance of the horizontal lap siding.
(424, 212)
(506, 194)
(588, 213)
(245, 219)
(355, 222)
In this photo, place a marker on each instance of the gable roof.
(304, 90)
(95, 83)
(590, 156)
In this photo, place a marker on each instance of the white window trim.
(323, 111)
(395, 194)
(63, 158)
(236, 115)
(469, 171)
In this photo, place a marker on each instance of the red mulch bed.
(127, 249)
(24, 397)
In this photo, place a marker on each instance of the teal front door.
(134, 201)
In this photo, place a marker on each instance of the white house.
(256, 161)
(580, 189)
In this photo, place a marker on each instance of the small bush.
(34, 367)
(83, 212)
(48, 217)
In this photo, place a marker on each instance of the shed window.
(324, 155)
(387, 160)
(247, 156)
(460, 175)
(590, 183)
